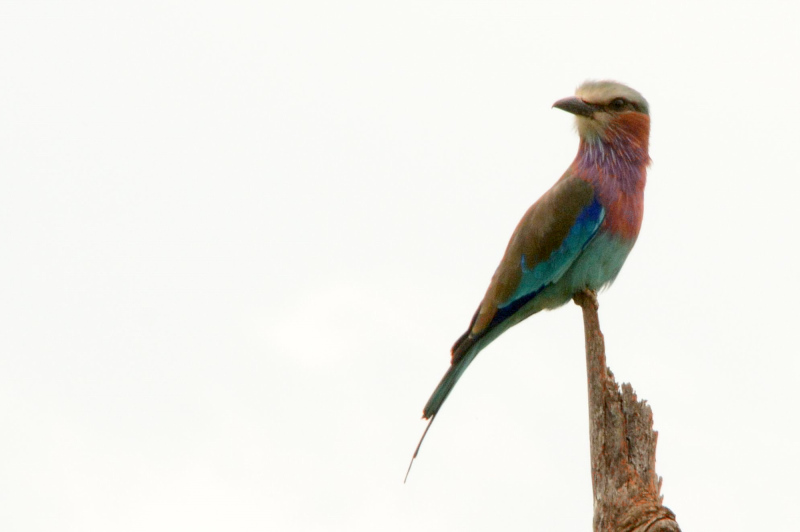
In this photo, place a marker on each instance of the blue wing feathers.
(535, 279)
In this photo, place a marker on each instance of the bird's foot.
(586, 296)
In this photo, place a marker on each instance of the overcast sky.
(239, 238)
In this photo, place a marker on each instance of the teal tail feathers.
(464, 352)
(448, 382)
(442, 391)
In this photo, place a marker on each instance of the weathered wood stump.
(623, 444)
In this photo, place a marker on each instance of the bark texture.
(623, 444)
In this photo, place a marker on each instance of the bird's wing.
(544, 245)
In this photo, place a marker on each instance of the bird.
(577, 236)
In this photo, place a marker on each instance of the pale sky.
(239, 238)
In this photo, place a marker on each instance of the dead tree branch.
(623, 444)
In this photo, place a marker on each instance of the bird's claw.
(586, 296)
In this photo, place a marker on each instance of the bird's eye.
(618, 104)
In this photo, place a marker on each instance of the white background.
(239, 238)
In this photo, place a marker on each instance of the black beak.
(575, 106)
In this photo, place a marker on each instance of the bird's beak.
(575, 106)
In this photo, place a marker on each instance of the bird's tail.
(449, 380)
(457, 368)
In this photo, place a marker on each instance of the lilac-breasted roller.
(577, 235)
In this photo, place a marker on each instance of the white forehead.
(602, 92)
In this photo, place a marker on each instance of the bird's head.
(608, 110)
